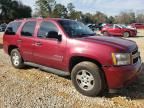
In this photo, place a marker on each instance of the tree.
(72, 13)
(12, 9)
(100, 17)
(88, 18)
(75, 15)
(132, 17)
(50, 8)
(23, 11)
(60, 11)
(140, 18)
(70, 7)
(45, 7)
(125, 17)
(111, 20)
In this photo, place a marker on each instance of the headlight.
(121, 58)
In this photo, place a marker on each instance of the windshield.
(76, 29)
(122, 26)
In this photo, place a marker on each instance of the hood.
(131, 29)
(120, 43)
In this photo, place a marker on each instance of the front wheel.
(16, 59)
(126, 34)
(87, 79)
(105, 33)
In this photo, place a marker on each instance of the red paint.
(138, 25)
(113, 30)
(58, 54)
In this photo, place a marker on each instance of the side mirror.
(54, 35)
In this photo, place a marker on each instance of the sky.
(109, 7)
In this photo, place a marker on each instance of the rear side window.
(12, 28)
(28, 29)
(45, 28)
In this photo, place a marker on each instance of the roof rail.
(28, 18)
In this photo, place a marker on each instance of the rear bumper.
(118, 77)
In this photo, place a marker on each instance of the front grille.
(135, 56)
(135, 51)
(135, 60)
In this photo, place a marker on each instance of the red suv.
(118, 30)
(66, 47)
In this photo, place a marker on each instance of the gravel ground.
(33, 88)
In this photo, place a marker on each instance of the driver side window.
(117, 27)
(45, 28)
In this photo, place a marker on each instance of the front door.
(117, 30)
(49, 51)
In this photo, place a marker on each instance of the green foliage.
(75, 15)
(70, 7)
(125, 17)
(60, 11)
(100, 17)
(140, 18)
(110, 20)
(12, 9)
(49, 8)
(45, 7)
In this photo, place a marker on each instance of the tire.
(16, 59)
(86, 78)
(105, 33)
(126, 34)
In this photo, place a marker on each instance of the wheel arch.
(10, 48)
(127, 32)
(77, 59)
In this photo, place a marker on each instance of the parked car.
(118, 30)
(138, 25)
(66, 47)
(3, 27)
(93, 27)
(131, 27)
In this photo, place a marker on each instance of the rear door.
(26, 39)
(10, 35)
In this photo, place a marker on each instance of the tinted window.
(138, 24)
(117, 26)
(12, 28)
(76, 29)
(45, 28)
(110, 26)
(28, 29)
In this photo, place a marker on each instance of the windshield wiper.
(83, 35)
(93, 34)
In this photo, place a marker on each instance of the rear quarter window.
(12, 28)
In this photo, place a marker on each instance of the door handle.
(38, 44)
(19, 40)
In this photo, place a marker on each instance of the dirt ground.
(33, 88)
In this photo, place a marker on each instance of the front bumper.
(134, 33)
(120, 76)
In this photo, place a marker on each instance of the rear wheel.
(105, 33)
(16, 59)
(126, 34)
(87, 79)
